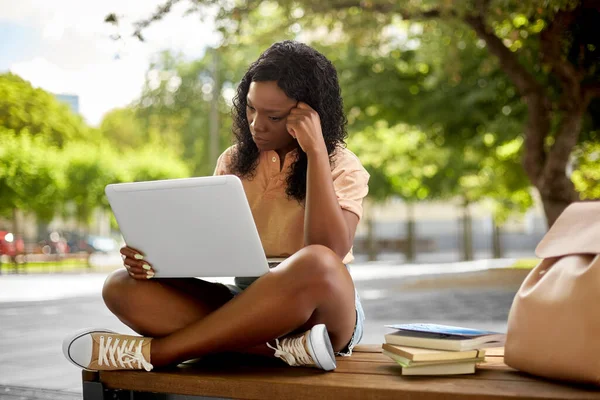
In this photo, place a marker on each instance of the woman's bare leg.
(311, 287)
(159, 307)
(189, 318)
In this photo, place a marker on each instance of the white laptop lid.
(192, 227)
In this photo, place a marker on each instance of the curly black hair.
(305, 75)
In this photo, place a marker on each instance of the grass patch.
(526, 263)
(70, 262)
(46, 267)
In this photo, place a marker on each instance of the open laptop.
(192, 227)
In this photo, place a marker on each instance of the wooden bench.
(367, 374)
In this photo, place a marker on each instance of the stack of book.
(431, 349)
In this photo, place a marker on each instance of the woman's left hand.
(304, 124)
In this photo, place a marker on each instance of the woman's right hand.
(135, 264)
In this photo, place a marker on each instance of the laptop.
(191, 227)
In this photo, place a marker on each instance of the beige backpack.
(554, 321)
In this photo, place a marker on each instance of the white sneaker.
(312, 348)
(104, 350)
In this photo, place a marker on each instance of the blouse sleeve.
(351, 183)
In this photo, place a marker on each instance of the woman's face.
(267, 109)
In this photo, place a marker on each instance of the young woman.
(305, 190)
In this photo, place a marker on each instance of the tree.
(88, 169)
(123, 129)
(549, 53)
(152, 163)
(34, 126)
(31, 178)
(24, 108)
(523, 29)
(175, 106)
(173, 112)
(430, 88)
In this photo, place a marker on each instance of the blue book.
(443, 337)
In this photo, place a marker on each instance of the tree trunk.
(467, 234)
(410, 251)
(555, 186)
(496, 239)
(42, 230)
(371, 242)
(555, 204)
(16, 228)
(548, 170)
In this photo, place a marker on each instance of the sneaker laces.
(292, 351)
(125, 353)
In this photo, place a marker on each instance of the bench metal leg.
(93, 391)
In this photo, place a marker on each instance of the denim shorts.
(243, 283)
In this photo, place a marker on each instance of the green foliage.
(587, 176)
(25, 108)
(122, 129)
(151, 163)
(174, 107)
(402, 161)
(51, 162)
(496, 178)
(446, 103)
(88, 169)
(31, 178)
(431, 113)
(457, 101)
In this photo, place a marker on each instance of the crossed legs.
(189, 318)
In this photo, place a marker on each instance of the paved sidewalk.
(32, 330)
(38, 287)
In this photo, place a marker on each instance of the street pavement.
(37, 311)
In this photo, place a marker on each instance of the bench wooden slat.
(366, 357)
(367, 348)
(313, 384)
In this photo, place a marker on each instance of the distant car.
(53, 243)
(103, 244)
(10, 244)
(78, 242)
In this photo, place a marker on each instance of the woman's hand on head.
(304, 124)
(135, 264)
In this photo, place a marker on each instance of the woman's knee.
(115, 287)
(318, 267)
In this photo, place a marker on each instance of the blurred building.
(71, 100)
(438, 231)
